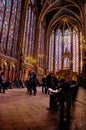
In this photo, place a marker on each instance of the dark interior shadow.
(64, 125)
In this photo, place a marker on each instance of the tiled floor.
(20, 111)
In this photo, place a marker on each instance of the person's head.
(33, 74)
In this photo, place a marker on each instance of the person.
(9, 82)
(55, 95)
(2, 81)
(43, 81)
(29, 83)
(32, 83)
(54, 82)
(48, 81)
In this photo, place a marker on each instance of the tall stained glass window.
(29, 30)
(75, 52)
(58, 51)
(15, 38)
(67, 48)
(5, 25)
(81, 64)
(12, 25)
(2, 10)
(31, 34)
(51, 52)
(26, 30)
(41, 47)
(9, 25)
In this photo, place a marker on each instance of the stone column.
(84, 49)
(24, 9)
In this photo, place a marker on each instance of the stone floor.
(20, 111)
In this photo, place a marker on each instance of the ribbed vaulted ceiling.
(63, 13)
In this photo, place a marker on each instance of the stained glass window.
(29, 31)
(24, 39)
(81, 64)
(2, 9)
(67, 41)
(65, 51)
(75, 52)
(5, 25)
(58, 51)
(16, 29)
(12, 25)
(51, 52)
(67, 47)
(41, 47)
(33, 36)
(9, 25)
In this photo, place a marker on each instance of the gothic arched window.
(75, 52)
(51, 52)
(29, 30)
(41, 46)
(58, 51)
(9, 26)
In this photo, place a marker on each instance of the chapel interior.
(46, 36)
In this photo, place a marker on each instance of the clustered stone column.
(84, 51)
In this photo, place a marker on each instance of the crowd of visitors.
(50, 84)
(9, 84)
(60, 90)
(31, 83)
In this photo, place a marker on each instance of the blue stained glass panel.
(27, 31)
(2, 7)
(5, 25)
(12, 24)
(16, 28)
